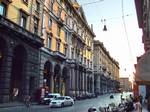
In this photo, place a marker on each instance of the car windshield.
(59, 98)
(50, 96)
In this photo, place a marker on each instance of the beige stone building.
(106, 70)
(67, 57)
(125, 84)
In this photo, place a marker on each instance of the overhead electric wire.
(125, 29)
(91, 2)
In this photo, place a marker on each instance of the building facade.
(106, 70)
(67, 57)
(142, 76)
(125, 84)
(20, 26)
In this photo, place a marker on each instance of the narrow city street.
(79, 106)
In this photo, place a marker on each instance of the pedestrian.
(15, 93)
(141, 99)
(137, 105)
(27, 100)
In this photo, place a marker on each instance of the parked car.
(50, 97)
(62, 101)
(92, 109)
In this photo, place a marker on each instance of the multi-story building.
(67, 57)
(142, 67)
(106, 70)
(125, 84)
(20, 31)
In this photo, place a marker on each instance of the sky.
(122, 41)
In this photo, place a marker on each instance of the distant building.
(125, 84)
(106, 70)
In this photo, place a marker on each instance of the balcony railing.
(59, 55)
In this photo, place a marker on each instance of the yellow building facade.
(68, 48)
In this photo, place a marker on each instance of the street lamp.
(104, 22)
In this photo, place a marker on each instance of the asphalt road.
(79, 106)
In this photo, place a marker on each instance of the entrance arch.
(57, 76)
(18, 66)
(47, 74)
(64, 85)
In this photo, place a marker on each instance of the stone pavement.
(144, 108)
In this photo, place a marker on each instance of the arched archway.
(64, 85)
(17, 73)
(57, 76)
(47, 74)
(88, 83)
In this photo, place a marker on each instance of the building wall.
(76, 38)
(105, 69)
(19, 65)
(14, 10)
(125, 84)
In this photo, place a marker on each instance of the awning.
(142, 74)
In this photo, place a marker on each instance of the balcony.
(71, 61)
(89, 48)
(20, 32)
(60, 21)
(59, 55)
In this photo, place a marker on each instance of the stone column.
(5, 76)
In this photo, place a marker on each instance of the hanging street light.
(104, 22)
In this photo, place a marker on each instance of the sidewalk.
(14, 104)
(144, 108)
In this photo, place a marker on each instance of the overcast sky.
(123, 47)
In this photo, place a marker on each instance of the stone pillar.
(5, 76)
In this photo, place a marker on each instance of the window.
(65, 49)
(59, 12)
(50, 23)
(49, 41)
(2, 9)
(51, 5)
(85, 61)
(57, 46)
(66, 36)
(37, 6)
(36, 21)
(23, 19)
(72, 53)
(66, 20)
(58, 31)
(25, 1)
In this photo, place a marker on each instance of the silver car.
(62, 101)
(50, 97)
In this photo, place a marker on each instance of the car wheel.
(71, 103)
(62, 105)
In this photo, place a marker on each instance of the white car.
(62, 101)
(50, 97)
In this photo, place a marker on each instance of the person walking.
(137, 105)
